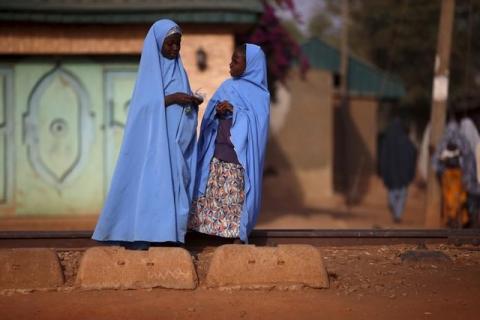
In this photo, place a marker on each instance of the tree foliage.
(400, 37)
(279, 46)
(325, 23)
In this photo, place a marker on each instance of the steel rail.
(318, 237)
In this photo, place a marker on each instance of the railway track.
(82, 239)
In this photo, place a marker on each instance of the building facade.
(67, 70)
(321, 154)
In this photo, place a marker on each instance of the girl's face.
(171, 46)
(238, 64)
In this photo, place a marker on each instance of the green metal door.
(67, 127)
(119, 83)
(6, 141)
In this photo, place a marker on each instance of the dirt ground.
(368, 282)
(326, 216)
(331, 213)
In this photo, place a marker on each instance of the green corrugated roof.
(363, 78)
(131, 11)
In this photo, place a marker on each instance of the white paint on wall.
(440, 88)
(280, 109)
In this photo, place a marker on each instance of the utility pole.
(344, 51)
(343, 103)
(439, 108)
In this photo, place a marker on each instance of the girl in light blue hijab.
(151, 189)
(231, 150)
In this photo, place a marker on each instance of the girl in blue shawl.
(231, 150)
(152, 187)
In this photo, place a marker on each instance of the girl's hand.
(182, 99)
(197, 100)
(223, 107)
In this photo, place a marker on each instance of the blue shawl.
(250, 98)
(152, 187)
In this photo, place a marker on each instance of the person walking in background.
(397, 166)
(454, 163)
(151, 190)
(231, 146)
(470, 132)
(454, 195)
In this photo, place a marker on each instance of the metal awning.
(364, 79)
(131, 11)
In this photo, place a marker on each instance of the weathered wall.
(219, 48)
(31, 38)
(114, 39)
(299, 154)
(363, 112)
(355, 147)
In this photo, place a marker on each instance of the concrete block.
(30, 269)
(250, 267)
(118, 268)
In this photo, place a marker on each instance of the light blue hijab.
(250, 98)
(151, 189)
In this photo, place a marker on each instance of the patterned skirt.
(218, 212)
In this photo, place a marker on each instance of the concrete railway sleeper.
(385, 264)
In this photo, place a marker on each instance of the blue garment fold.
(152, 186)
(250, 98)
